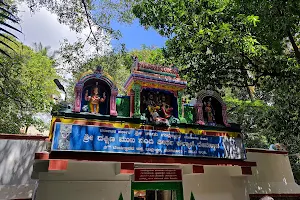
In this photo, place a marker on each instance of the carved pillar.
(224, 115)
(113, 107)
(137, 100)
(131, 93)
(78, 98)
(199, 112)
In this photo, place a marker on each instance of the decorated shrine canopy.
(155, 76)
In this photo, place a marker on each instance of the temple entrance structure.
(150, 145)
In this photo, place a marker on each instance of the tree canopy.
(247, 50)
(228, 43)
(26, 85)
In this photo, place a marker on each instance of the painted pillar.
(131, 103)
(137, 100)
(179, 103)
(78, 98)
(113, 97)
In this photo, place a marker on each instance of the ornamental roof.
(155, 73)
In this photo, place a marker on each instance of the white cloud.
(43, 26)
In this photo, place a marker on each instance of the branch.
(87, 38)
(89, 23)
(18, 101)
(291, 38)
(295, 47)
(249, 60)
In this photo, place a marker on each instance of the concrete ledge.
(254, 150)
(16, 192)
(274, 195)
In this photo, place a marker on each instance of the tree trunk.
(26, 129)
(245, 76)
(295, 47)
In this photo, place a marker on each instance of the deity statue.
(166, 109)
(94, 100)
(158, 111)
(210, 112)
(151, 106)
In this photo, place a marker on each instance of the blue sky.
(134, 36)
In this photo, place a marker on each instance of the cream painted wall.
(99, 180)
(83, 190)
(90, 171)
(273, 174)
(84, 181)
(16, 160)
(215, 184)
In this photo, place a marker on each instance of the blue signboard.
(139, 141)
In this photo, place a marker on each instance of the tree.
(248, 50)
(44, 50)
(117, 64)
(26, 85)
(82, 15)
(217, 41)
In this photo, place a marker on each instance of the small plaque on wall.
(149, 175)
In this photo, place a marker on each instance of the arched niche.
(218, 107)
(104, 84)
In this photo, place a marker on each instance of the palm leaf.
(3, 43)
(1, 29)
(5, 24)
(6, 15)
(4, 36)
(3, 52)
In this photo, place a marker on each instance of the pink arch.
(98, 75)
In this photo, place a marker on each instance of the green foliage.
(6, 17)
(150, 55)
(218, 41)
(192, 196)
(26, 84)
(248, 50)
(117, 64)
(121, 196)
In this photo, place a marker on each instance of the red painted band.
(41, 156)
(198, 169)
(58, 165)
(133, 158)
(127, 168)
(246, 170)
(23, 137)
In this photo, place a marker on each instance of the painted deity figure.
(165, 108)
(158, 110)
(151, 105)
(209, 112)
(94, 100)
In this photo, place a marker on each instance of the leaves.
(6, 15)
(26, 85)
(247, 50)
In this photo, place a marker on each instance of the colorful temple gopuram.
(151, 145)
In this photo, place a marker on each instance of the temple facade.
(151, 145)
